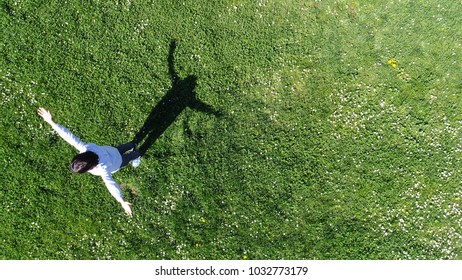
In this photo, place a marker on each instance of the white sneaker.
(136, 162)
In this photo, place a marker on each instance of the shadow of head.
(183, 90)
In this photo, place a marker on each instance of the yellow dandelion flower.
(393, 63)
(203, 220)
(197, 244)
(457, 198)
(244, 257)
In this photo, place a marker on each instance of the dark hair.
(84, 162)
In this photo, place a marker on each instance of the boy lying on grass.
(98, 160)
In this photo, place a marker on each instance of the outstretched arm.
(62, 131)
(115, 191)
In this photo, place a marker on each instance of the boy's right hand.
(46, 115)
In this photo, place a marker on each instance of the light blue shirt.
(110, 159)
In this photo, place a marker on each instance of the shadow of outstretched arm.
(178, 97)
(171, 63)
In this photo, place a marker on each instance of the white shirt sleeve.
(112, 186)
(69, 137)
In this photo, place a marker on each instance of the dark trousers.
(127, 158)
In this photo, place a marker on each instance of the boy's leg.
(126, 158)
(126, 147)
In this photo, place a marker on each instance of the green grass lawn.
(332, 129)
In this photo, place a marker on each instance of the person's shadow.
(180, 96)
